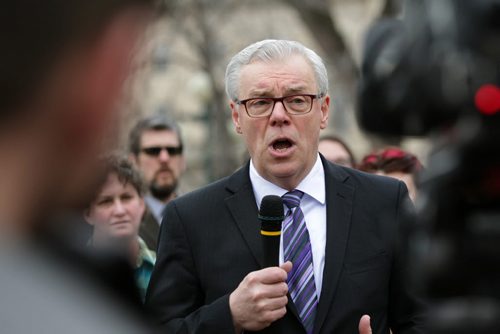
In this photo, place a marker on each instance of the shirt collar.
(313, 184)
(155, 206)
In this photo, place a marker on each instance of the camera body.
(427, 75)
(422, 73)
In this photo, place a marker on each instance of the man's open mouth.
(281, 145)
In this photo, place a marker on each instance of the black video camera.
(423, 73)
(437, 72)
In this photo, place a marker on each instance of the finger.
(276, 303)
(287, 266)
(267, 291)
(271, 275)
(364, 325)
(271, 316)
(277, 290)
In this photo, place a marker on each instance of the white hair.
(271, 50)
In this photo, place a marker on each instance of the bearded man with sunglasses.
(157, 151)
(338, 261)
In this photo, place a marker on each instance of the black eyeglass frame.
(155, 151)
(279, 99)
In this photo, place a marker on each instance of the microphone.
(271, 215)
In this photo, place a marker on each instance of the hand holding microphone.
(261, 297)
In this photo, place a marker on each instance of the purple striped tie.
(297, 249)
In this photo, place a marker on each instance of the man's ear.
(133, 159)
(325, 111)
(235, 117)
(183, 164)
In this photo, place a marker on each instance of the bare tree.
(193, 19)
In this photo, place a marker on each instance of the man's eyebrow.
(260, 93)
(268, 93)
(295, 90)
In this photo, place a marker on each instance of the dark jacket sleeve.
(406, 308)
(175, 296)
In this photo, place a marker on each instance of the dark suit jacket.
(149, 230)
(210, 240)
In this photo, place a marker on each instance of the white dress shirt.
(156, 207)
(313, 205)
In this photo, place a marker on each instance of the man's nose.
(164, 156)
(279, 115)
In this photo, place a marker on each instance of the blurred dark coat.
(149, 230)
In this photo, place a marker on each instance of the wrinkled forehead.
(159, 137)
(292, 74)
(295, 58)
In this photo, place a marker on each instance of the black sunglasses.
(155, 151)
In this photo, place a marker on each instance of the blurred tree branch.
(192, 20)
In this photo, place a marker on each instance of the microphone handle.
(271, 248)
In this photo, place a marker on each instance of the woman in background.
(115, 214)
(336, 150)
(396, 163)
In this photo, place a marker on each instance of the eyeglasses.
(299, 104)
(155, 151)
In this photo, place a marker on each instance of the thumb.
(364, 325)
(287, 266)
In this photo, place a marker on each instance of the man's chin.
(162, 192)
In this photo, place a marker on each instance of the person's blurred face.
(81, 99)
(161, 171)
(283, 147)
(335, 152)
(117, 211)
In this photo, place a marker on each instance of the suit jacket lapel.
(241, 204)
(339, 197)
(149, 230)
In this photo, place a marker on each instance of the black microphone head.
(271, 213)
(271, 216)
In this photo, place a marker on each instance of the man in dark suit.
(156, 149)
(339, 261)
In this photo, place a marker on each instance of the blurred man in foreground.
(156, 149)
(62, 68)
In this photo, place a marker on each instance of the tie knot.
(292, 198)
